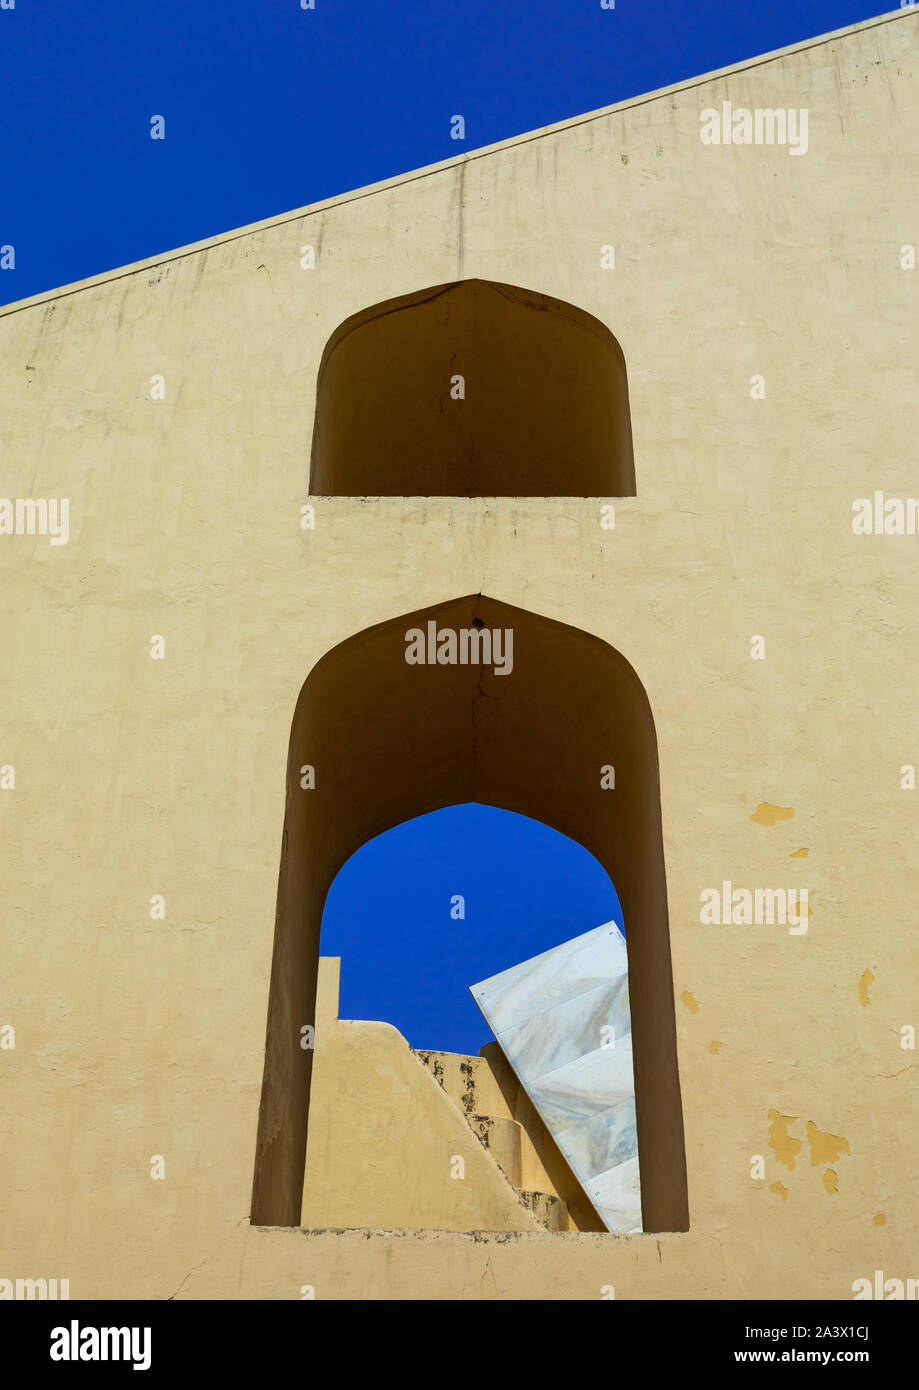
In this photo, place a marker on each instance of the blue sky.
(408, 961)
(269, 107)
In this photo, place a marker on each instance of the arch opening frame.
(391, 741)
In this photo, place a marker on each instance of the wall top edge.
(426, 171)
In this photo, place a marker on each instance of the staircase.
(488, 1094)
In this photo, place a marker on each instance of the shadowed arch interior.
(472, 389)
(390, 741)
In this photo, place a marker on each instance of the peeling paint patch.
(780, 1190)
(864, 985)
(714, 1047)
(799, 854)
(880, 1219)
(767, 814)
(786, 1148)
(690, 1001)
(831, 1181)
(825, 1147)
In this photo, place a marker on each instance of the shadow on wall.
(473, 389)
(390, 740)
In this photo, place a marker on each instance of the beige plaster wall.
(138, 1037)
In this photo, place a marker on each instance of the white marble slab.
(562, 1019)
(590, 1083)
(565, 971)
(573, 1028)
(616, 1194)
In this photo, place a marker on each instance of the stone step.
(548, 1209)
(502, 1138)
(480, 1087)
(469, 1081)
(507, 1142)
(549, 1164)
(535, 1172)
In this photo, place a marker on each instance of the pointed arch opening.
(530, 723)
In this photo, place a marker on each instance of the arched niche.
(391, 740)
(544, 409)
